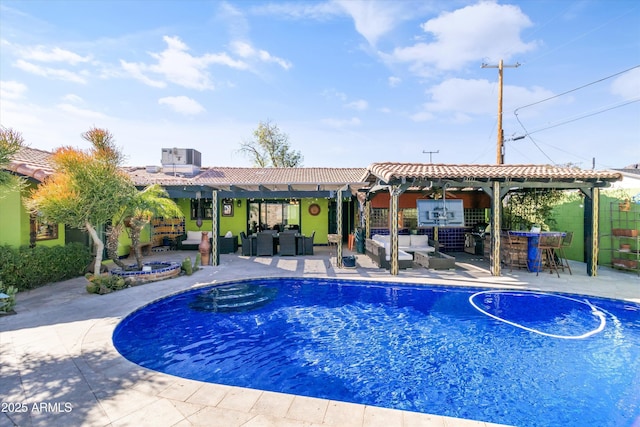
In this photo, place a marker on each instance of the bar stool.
(562, 256)
(334, 240)
(548, 244)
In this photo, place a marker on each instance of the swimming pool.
(510, 357)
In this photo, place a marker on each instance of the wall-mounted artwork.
(227, 208)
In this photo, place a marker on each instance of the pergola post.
(215, 226)
(367, 219)
(496, 215)
(591, 226)
(393, 232)
(339, 229)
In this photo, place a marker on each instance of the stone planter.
(155, 271)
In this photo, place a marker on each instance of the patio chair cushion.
(193, 237)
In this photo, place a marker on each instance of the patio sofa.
(378, 248)
(191, 242)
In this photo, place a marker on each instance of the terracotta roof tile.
(32, 163)
(390, 171)
(225, 176)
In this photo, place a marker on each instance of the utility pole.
(430, 153)
(500, 148)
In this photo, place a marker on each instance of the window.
(274, 215)
(42, 230)
(201, 208)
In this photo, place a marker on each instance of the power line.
(585, 116)
(574, 90)
(526, 132)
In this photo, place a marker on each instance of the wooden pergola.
(256, 183)
(497, 181)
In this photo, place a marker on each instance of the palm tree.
(151, 202)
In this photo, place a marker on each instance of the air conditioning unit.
(181, 156)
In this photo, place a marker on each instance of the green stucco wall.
(570, 217)
(11, 219)
(15, 221)
(238, 222)
(318, 223)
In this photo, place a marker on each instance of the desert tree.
(270, 148)
(11, 142)
(87, 189)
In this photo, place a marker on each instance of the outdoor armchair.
(288, 243)
(248, 245)
(306, 248)
(265, 243)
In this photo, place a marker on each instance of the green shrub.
(28, 268)
(6, 306)
(105, 283)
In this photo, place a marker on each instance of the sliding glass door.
(273, 215)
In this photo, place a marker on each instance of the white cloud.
(627, 85)
(300, 10)
(137, 72)
(394, 81)
(359, 105)
(245, 50)
(54, 73)
(74, 99)
(422, 116)
(178, 66)
(467, 35)
(340, 123)
(373, 19)
(463, 98)
(332, 93)
(41, 54)
(11, 89)
(182, 104)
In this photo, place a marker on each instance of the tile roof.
(630, 169)
(236, 176)
(394, 171)
(32, 163)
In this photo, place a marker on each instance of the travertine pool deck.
(58, 366)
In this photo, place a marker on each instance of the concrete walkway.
(58, 366)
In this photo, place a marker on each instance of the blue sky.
(349, 82)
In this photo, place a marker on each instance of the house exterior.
(17, 226)
(382, 199)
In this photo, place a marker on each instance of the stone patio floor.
(58, 366)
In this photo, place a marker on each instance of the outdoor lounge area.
(58, 348)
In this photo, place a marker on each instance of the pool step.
(233, 298)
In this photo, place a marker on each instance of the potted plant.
(625, 205)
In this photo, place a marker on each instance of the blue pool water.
(511, 357)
